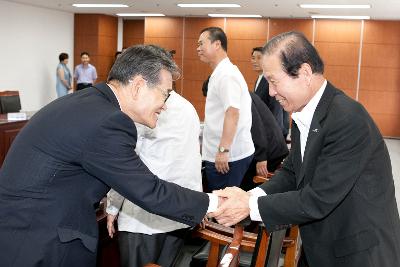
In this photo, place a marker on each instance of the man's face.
(293, 93)
(205, 49)
(85, 59)
(256, 58)
(152, 100)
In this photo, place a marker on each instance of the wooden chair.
(292, 243)
(264, 248)
(9, 102)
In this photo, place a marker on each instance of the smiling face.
(85, 59)
(151, 100)
(293, 93)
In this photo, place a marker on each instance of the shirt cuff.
(112, 210)
(213, 205)
(257, 192)
(253, 203)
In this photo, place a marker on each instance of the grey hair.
(144, 60)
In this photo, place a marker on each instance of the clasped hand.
(233, 206)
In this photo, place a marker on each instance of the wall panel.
(97, 35)
(338, 43)
(277, 26)
(243, 35)
(133, 33)
(380, 74)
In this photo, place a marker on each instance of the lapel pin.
(315, 130)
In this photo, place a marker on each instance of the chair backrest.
(264, 248)
(10, 101)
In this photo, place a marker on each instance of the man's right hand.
(110, 225)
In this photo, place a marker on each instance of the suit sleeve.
(109, 156)
(342, 157)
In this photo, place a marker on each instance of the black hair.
(63, 56)
(294, 49)
(85, 53)
(217, 34)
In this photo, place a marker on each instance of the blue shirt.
(85, 74)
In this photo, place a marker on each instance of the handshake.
(233, 206)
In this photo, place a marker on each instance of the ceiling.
(381, 9)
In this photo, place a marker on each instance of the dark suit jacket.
(262, 91)
(342, 194)
(62, 162)
(267, 136)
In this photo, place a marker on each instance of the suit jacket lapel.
(315, 129)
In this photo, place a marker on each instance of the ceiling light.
(140, 15)
(333, 6)
(99, 5)
(233, 16)
(208, 5)
(338, 17)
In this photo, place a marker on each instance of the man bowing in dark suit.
(336, 183)
(73, 150)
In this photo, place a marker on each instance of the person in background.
(261, 88)
(172, 152)
(227, 147)
(337, 182)
(64, 78)
(270, 146)
(85, 73)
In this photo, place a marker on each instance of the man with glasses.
(227, 147)
(73, 150)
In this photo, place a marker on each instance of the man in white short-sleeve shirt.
(227, 148)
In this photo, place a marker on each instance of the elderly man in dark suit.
(72, 151)
(336, 183)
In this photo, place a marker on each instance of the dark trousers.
(217, 180)
(81, 86)
(136, 250)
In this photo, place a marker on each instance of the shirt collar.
(305, 116)
(220, 66)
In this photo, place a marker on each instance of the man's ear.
(137, 83)
(306, 70)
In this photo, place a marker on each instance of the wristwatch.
(222, 149)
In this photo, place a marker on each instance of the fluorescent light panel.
(208, 5)
(333, 6)
(233, 16)
(99, 5)
(140, 15)
(338, 17)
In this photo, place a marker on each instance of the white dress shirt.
(227, 88)
(258, 82)
(303, 121)
(172, 152)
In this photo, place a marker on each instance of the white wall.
(31, 39)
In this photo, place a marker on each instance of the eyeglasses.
(166, 93)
